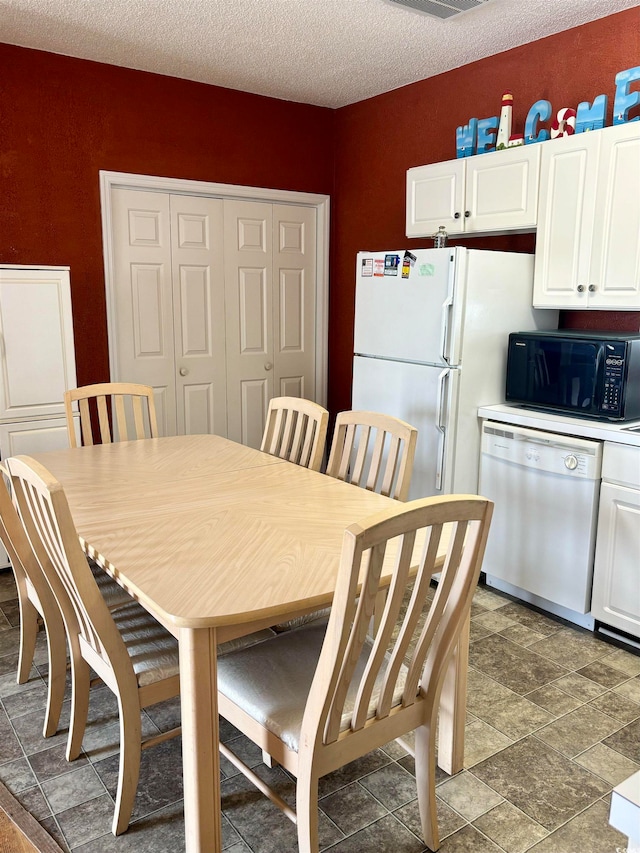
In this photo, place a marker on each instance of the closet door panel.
(198, 307)
(143, 340)
(294, 264)
(249, 318)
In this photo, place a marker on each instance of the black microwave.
(585, 374)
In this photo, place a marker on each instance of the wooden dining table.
(217, 540)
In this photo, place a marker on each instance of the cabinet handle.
(456, 215)
(580, 288)
(592, 288)
(268, 365)
(183, 371)
(467, 214)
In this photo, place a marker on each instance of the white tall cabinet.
(37, 359)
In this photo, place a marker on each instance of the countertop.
(583, 427)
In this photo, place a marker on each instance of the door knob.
(183, 371)
(268, 365)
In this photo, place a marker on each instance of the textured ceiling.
(324, 52)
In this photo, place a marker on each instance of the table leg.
(453, 707)
(200, 756)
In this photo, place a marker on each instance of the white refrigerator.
(430, 344)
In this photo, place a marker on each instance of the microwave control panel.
(614, 371)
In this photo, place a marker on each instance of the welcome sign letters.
(479, 136)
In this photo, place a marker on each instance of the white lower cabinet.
(616, 576)
(34, 436)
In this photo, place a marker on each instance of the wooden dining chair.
(296, 430)
(36, 601)
(128, 649)
(374, 451)
(132, 409)
(320, 696)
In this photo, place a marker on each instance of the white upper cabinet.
(486, 193)
(37, 359)
(588, 243)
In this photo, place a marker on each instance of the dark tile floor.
(553, 724)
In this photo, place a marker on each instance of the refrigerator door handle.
(444, 328)
(443, 379)
(441, 398)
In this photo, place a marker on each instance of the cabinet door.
(37, 361)
(615, 261)
(566, 209)
(616, 579)
(435, 196)
(36, 436)
(501, 190)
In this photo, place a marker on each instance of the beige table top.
(216, 540)
(206, 532)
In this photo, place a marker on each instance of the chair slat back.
(46, 517)
(13, 537)
(296, 430)
(405, 660)
(129, 406)
(374, 451)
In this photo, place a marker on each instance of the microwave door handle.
(444, 328)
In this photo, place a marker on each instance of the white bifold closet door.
(214, 307)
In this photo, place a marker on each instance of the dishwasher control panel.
(543, 451)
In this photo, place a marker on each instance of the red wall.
(379, 139)
(62, 120)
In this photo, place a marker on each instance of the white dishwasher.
(541, 544)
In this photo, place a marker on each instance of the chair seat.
(271, 681)
(245, 642)
(299, 621)
(152, 649)
(113, 594)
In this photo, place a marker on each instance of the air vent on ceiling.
(440, 8)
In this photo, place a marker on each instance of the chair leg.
(307, 811)
(57, 652)
(130, 749)
(28, 635)
(425, 757)
(267, 759)
(80, 679)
